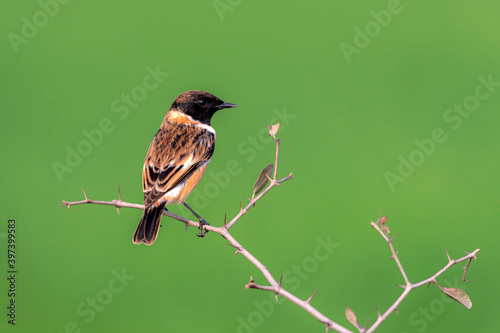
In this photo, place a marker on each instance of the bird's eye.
(202, 103)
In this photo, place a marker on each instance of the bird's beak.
(226, 105)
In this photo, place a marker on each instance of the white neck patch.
(177, 114)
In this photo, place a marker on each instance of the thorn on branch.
(250, 284)
(278, 289)
(308, 301)
(447, 255)
(392, 239)
(85, 195)
(269, 178)
(241, 209)
(272, 181)
(119, 200)
(393, 256)
(238, 248)
(465, 269)
(367, 325)
(474, 254)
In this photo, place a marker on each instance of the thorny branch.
(408, 287)
(275, 286)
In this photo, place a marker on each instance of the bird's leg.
(166, 211)
(201, 219)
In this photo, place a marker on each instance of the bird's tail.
(147, 231)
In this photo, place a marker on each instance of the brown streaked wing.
(172, 159)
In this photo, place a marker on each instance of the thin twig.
(278, 141)
(243, 211)
(394, 253)
(121, 204)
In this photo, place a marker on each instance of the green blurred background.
(351, 106)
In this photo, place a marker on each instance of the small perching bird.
(177, 159)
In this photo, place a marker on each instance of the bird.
(177, 159)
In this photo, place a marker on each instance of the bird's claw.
(202, 232)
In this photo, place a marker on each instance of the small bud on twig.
(273, 129)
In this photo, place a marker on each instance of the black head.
(199, 105)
